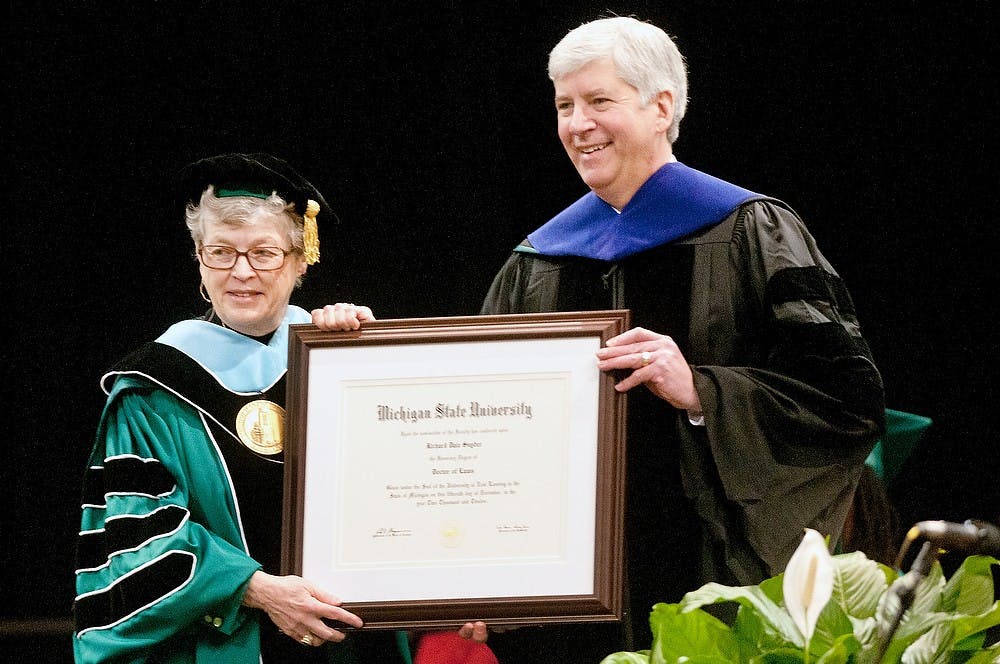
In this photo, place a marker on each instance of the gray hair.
(238, 211)
(644, 56)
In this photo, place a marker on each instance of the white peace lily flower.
(808, 582)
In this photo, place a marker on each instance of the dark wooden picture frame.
(604, 602)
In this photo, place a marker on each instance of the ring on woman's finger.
(645, 357)
(307, 639)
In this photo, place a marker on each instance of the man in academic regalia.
(762, 400)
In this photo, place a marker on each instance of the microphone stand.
(902, 591)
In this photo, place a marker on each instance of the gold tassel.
(310, 233)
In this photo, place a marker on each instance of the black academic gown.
(792, 404)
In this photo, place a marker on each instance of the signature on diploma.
(392, 532)
(512, 528)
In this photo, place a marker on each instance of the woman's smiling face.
(248, 300)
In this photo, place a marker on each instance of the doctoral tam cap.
(258, 175)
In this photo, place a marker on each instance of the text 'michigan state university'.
(448, 411)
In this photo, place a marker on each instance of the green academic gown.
(177, 512)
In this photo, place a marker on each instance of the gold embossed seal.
(452, 535)
(261, 426)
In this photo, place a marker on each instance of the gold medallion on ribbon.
(261, 426)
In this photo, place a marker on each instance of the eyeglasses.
(221, 257)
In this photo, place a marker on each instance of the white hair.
(644, 56)
(241, 211)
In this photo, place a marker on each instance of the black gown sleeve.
(527, 282)
(795, 402)
(505, 294)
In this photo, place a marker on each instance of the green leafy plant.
(777, 622)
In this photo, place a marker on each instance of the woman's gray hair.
(238, 211)
(644, 56)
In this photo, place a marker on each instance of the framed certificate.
(440, 470)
